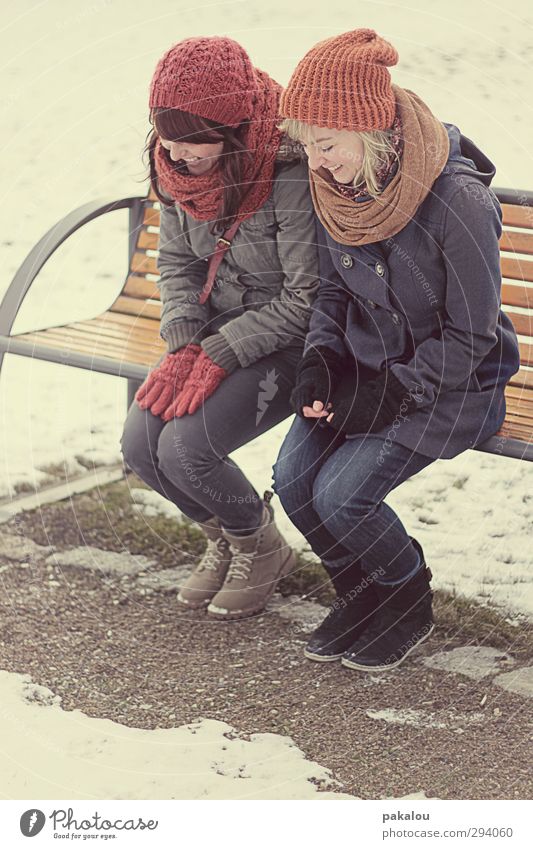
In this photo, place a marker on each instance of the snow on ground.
(423, 719)
(74, 113)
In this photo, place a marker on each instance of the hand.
(205, 377)
(164, 382)
(317, 375)
(373, 406)
(317, 411)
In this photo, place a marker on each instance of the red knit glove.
(164, 382)
(204, 378)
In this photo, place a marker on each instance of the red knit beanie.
(343, 83)
(211, 77)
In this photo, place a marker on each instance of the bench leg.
(133, 386)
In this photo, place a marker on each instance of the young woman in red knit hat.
(408, 352)
(239, 270)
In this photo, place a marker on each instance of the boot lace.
(212, 555)
(241, 565)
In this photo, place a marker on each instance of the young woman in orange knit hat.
(408, 351)
(239, 270)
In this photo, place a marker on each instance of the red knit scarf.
(201, 196)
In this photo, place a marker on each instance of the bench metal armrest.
(51, 241)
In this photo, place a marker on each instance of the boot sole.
(193, 605)
(220, 613)
(350, 664)
(320, 658)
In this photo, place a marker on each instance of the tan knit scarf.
(201, 196)
(425, 152)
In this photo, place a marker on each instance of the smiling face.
(199, 158)
(339, 151)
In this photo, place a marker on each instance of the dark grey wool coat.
(426, 304)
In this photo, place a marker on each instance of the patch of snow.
(518, 681)
(151, 503)
(96, 456)
(21, 548)
(112, 563)
(475, 662)
(306, 614)
(69, 466)
(419, 795)
(421, 718)
(167, 580)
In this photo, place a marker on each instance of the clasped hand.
(327, 389)
(180, 384)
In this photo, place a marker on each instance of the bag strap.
(223, 244)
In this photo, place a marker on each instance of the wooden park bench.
(124, 339)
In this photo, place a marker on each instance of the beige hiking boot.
(258, 561)
(209, 575)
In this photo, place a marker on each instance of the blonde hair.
(377, 151)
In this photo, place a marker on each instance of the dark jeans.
(332, 487)
(186, 460)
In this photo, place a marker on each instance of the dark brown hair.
(174, 125)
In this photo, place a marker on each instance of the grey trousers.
(186, 460)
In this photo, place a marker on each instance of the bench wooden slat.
(510, 428)
(519, 394)
(515, 416)
(520, 406)
(522, 422)
(522, 322)
(517, 269)
(145, 355)
(68, 337)
(129, 320)
(517, 215)
(526, 353)
(516, 296)
(151, 217)
(511, 240)
(144, 264)
(522, 378)
(136, 306)
(140, 287)
(135, 335)
(150, 241)
(512, 431)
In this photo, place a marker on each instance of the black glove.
(317, 376)
(374, 406)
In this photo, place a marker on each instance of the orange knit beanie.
(343, 83)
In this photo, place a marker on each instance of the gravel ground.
(113, 649)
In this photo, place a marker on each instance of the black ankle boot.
(403, 620)
(350, 614)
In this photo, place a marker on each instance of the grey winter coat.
(264, 286)
(426, 303)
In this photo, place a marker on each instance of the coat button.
(372, 305)
(379, 269)
(346, 260)
(396, 318)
